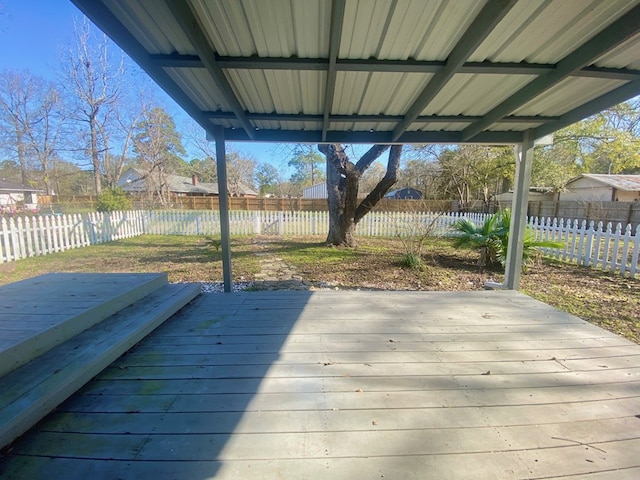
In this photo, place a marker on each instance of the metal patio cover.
(382, 71)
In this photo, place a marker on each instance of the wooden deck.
(353, 385)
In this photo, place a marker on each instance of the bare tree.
(31, 116)
(118, 135)
(95, 82)
(15, 97)
(240, 173)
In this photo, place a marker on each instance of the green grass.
(183, 258)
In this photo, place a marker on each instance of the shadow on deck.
(319, 385)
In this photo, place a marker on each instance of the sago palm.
(484, 237)
(530, 243)
(491, 238)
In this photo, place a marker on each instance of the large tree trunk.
(342, 189)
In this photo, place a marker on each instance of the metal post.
(524, 159)
(223, 206)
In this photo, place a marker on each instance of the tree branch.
(383, 185)
(368, 158)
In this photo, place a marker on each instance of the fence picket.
(636, 251)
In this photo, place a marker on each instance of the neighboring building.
(592, 187)
(15, 197)
(135, 181)
(319, 190)
(536, 194)
(406, 193)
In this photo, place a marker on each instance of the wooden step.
(33, 390)
(41, 312)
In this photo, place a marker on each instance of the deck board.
(329, 385)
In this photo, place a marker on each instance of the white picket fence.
(375, 224)
(24, 237)
(611, 248)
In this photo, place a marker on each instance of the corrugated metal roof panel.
(622, 57)
(152, 24)
(567, 95)
(468, 94)
(390, 92)
(197, 83)
(383, 29)
(279, 28)
(545, 32)
(439, 126)
(252, 87)
(445, 23)
(369, 93)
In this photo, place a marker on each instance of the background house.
(536, 194)
(319, 190)
(406, 193)
(603, 188)
(16, 196)
(137, 181)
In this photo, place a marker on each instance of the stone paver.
(276, 274)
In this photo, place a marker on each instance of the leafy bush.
(113, 199)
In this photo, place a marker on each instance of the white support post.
(223, 206)
(524, 159)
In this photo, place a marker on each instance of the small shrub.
(113, 199)
(411, 261)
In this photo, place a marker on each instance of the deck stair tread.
(36, 388)
(39, 313)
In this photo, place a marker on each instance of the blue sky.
(32, 35)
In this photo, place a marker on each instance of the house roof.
(11, 187)
(180, 184)
(376, 71)
(628, 183)
(392, 193)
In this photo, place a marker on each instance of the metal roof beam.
(187, 20)
(613, 35)
(479, 29)
(385, 66)
(315, 136)
(335, 36)
(301, 117)
(608, 100)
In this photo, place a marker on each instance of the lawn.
(602, 298)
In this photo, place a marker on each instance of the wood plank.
(332, 444)
(434, 369)
(199, 356)
(400, 383)
(282, 421)
(352, 399)
(571, 461)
